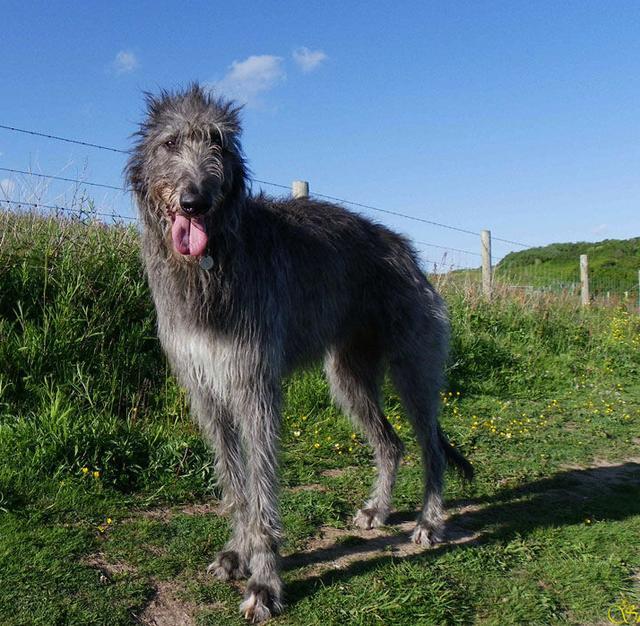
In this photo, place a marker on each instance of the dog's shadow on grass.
(576, 496)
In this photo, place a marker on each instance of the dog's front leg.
(261, 430)
(220, 428)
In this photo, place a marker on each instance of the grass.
(104, 480)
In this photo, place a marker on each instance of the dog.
(249, 288)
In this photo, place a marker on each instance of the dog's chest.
(200, 359)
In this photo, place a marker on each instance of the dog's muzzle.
(194, 203)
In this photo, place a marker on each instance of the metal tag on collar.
(206, 262)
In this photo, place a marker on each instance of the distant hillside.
(613, 265)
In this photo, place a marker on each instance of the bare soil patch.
(336, 548)
(604, 473)
(167, 608)
(336, 473)
(311, 487)
(107, 570)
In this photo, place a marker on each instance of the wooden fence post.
(584, 279)
(300, 189)
(485, 241)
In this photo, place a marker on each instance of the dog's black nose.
(193, 203)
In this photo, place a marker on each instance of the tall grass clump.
(533, 345)
(83, 382)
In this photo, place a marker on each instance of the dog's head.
(187, 168)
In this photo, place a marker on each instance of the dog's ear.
(194, 90)
(154, 103)
(231, 111)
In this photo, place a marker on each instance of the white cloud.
(247, 79)
(125, 62)
(7, 186)
(307, 60)
(601, 229)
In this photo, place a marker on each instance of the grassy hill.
(613, 265)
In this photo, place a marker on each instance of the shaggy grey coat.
(247, 289)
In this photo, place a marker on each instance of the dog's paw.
(260, 603)
(369, 518)
(426, 535)
(227, 566)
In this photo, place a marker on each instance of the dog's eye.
(171, 144)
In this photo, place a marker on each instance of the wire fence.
(603, 287)
(26, 190)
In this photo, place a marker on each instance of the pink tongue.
(189, 235)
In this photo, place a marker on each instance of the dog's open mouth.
(189, 234)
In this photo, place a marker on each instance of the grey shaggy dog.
(247, 289)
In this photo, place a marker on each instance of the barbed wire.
(77, 181)
(397, 213)
(65, 139)
(266, 182)
(442, 264)
(435, 245)
(513, 243)
(279, 185)
(58, 207)
(414, 218)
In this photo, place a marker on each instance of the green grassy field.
(613, 266)
(108, 499)
(613, 270)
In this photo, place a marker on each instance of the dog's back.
(327, 272)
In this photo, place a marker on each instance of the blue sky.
(521, 117)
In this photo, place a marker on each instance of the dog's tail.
(455, 457)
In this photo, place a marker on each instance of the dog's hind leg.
(417, 370)
(218, 426)
(420, 396)
(354, 373)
